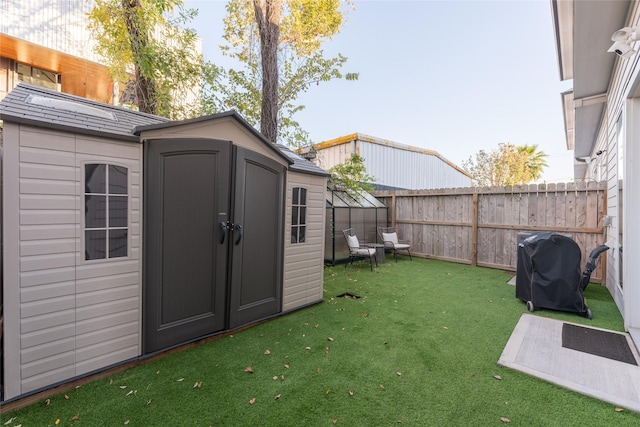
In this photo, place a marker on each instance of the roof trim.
(562, 18)
(231, 114)
(380, 141)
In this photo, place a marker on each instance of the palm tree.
(536, 160)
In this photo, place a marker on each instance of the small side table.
(380, 256)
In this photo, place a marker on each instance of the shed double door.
(213, 239)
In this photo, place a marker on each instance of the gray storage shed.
(126, 234)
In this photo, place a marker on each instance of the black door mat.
(600, 343)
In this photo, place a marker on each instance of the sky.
(452, 76)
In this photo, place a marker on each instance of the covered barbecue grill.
(549, 276)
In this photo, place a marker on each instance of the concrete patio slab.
(535, 348)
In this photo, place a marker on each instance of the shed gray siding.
(304, 262)
(73, 316)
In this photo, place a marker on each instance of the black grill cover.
(548, 273)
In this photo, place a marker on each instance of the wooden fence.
(480, 225)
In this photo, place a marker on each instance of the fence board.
(480, 226)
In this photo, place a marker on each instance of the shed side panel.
(304, 262)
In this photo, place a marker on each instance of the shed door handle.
(238, 229)
(223, 227)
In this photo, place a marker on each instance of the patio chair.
(357, 251)
(389, 236)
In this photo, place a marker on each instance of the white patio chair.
(389, 237)
(357, 251)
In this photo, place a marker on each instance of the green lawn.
(418, 348)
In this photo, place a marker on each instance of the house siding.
(304, 262)
(73, 316)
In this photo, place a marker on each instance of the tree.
(279, 42)
(536, 160)
(148, 38)
(508, 165)
(351, 176)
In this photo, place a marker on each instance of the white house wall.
(304, 262)
(73, 316)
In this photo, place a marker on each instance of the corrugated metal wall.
(57, 24)
(396, 167)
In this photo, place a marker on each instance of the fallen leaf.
(57, 421)
(126, 422)
(308, 348)
(248, 369)
(334, 421)
(286, 366)
(329, 391)
(399, 421)
(267, 351)
(124, 386)
(445, 327)
(252, 401)
(47, 402)
(180, 379)
(330, 339)
(198, 384)
(130, 392)
(110, 382)
(381, 385)
(75, 417)
(498, 377)
(350, 392)
(317, 369)
(157, 372)
(277, 396)
(316, 326)
(275, 378)
(66, 397)
(10, 420)
(619, 409)
(148, 402)
(505, 420)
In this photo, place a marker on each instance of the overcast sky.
(450, 76)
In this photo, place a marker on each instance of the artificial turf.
(418, 347)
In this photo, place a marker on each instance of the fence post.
(474, 231)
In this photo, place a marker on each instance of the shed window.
(106, 203)
(298, 215)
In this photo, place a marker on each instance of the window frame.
(107, 194)
(299, 208)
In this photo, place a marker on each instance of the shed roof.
(42, 107)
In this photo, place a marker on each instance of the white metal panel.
(59, 25)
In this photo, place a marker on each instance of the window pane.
(294, 215)
(94, 211)
(117, 243)
(303, 196)
(303, 214)
(94, 178)
(95, 244)
(117, 211)
(294, 234)
(301, 233)
(117, 180)
(295, 196)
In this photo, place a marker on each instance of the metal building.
(393, 165)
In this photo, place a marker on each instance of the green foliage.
(351, 176)
(508, 165)
(305, 25)
(155, 50)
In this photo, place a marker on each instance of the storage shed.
(126, 234)
(393, 165)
